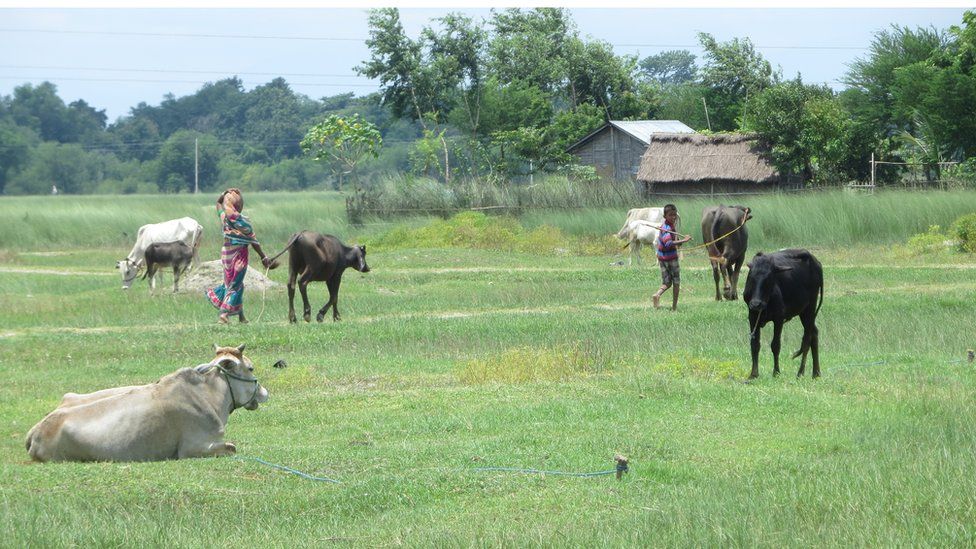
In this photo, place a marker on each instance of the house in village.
(615, 149)
(709, 164)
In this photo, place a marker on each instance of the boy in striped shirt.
(667, 257)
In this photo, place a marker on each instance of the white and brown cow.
(183, 415)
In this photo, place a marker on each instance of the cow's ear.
(240, 348)
(363, 248)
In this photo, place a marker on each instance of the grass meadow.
(493, 353)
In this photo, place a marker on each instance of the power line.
(188, 35)
(189, 71)
(363, 40)
(148, 81)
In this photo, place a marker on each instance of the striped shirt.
(666, 249)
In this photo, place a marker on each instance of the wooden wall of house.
(706, 188)
(614, 155)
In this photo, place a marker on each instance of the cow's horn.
(240, 349)
(215, 347)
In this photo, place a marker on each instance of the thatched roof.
(674, 158)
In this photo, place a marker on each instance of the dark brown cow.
(177, 255)
(315, 256)
(727, 254)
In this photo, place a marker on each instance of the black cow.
(167, 254)
(316, 256)
(780, 286)
(727, 254)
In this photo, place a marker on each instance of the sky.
(116, 58)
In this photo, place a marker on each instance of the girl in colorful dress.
(228, 298)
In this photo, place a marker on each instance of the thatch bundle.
(676, 158)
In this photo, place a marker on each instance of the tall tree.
(733, 72)
(670, 67)
(343, 143)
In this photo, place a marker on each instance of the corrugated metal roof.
(643, 129)
(639, 129)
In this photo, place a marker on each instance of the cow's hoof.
(319, 317)
(230, 447)
(292, 320)
(307, 317)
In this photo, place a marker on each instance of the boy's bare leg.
(674, 302)
(656, 298)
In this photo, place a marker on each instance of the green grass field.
(449, 359)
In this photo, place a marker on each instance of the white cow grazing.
(184, 229)
(654, 216)
(183, 415)
(640, 233)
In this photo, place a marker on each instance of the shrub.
(964, 230)
(931, 241)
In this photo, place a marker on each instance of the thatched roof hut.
(694, 163)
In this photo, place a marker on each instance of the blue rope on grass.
(289, 470)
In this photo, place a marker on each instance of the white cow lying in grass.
(184, 229)
(638, 234)
(182, 415)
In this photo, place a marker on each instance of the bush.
(964, 230)
(931, 241)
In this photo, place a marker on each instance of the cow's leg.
(291, 296)
(715, 267)
(726, 279)
(735, 279)
(176, 277)
(303, 288)
(754, 342)
(775, 345)
(151, 274)
(635, 250)
(212, 449)
(815, 347)
(333, 302)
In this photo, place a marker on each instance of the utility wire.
(108, 69)
(363, 40)
(142, 80)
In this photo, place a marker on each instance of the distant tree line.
(493, 98)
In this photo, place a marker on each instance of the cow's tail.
(291, 242)
(197, 238)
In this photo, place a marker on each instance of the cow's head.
(129, 270)
(761, 284)
(238, 370)
(746, 210)
(360, 262)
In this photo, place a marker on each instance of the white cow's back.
(184, 229)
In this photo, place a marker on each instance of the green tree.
(175, 164)
(272, 120)
(733, 72)
(343, 143)
(531, 46)
(670, 67)
(808, 130)
(16, 143)
(872, 78)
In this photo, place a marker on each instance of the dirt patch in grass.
(211, 273)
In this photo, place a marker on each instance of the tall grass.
(828, 218)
